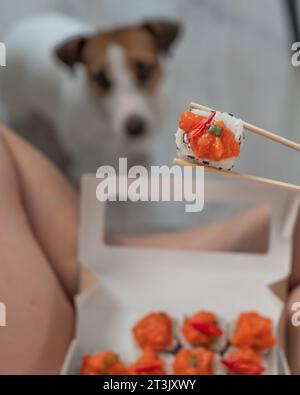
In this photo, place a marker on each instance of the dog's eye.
(144, 70)
(102, 80)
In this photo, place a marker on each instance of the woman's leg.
(38, 225)
(295, 274)
(244, 232)
(293, 332)
(51, 206)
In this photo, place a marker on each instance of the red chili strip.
(199, 128)
(250, 368)
(148, 368)
(207, 328)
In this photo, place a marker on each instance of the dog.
(98, 89)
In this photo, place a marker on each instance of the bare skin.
(293, 333)
(220, 236)
(38, 231)
(38, 266)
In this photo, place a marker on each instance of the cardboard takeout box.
(129, 282)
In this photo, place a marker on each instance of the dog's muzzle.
(135, 126)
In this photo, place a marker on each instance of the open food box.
(130, 282)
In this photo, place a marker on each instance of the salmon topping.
(105, 362)
(244, 362)
(201, 329)
(194, 362)
(253, 331)
(147, 364)
(154, 331)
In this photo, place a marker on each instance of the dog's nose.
(135, 126)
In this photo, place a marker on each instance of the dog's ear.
(164, 32)
(70, 51)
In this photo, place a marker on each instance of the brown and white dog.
(98, 89)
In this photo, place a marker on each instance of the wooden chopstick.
(240, 176)
(256, 130)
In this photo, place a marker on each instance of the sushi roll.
(209, 138)
(197, 361)
(156, 332)
(204, 329)
(104, 363)
(149, 363)
(244, 361)
(253, 330)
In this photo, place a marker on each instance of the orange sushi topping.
(105, 362)
(209, 145)
(198, 361)
(188, 120)
(201, 329)
(147, 364)
(245, 362)
(154, 331)
(254, 331)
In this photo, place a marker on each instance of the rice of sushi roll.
(244, 361)
(197, 361)
(204, 329)
(210, 139)
(103, 363)
(156, 332)
(149, 363)
(252, 330)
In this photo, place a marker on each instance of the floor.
(234, 55)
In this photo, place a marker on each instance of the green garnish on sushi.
(216, 130)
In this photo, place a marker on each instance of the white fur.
(34, 81)
(126, 97)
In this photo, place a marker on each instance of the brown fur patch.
(138, 47)
(142, 45)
